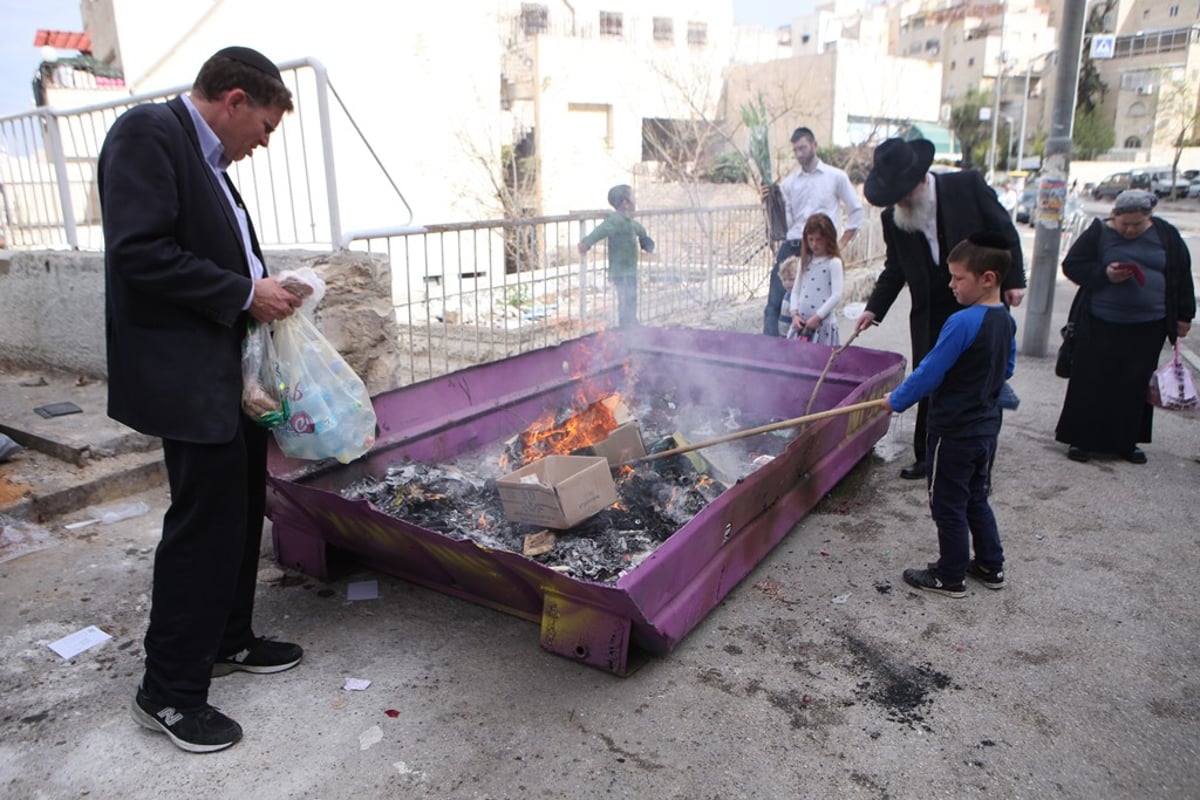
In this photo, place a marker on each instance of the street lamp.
(1025, 105)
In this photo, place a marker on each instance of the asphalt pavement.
(822, 675)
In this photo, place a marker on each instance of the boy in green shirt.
(624, 236)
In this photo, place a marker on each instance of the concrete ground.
(821, 676)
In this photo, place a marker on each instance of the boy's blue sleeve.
(957, 335)
(1012, 359)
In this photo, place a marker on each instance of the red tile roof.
(64, 40)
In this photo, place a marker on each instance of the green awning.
(945, 145)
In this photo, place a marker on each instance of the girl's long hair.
(821, 225)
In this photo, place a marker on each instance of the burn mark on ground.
(1040, 657)
(904, 691)
(870, 784)
(622, 753)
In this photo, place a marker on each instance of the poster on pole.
(1052, 202)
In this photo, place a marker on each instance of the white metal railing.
(48, 158)
(468, 293)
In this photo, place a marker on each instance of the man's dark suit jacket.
(965, 205)
(176, 276)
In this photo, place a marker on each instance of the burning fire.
(549, 436)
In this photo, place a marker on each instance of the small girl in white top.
(818, 289)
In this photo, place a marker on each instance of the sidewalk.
(820, 676)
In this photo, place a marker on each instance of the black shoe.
(197, 730)
(1077, 454)
(1135, 456)
(929, 581)
(914, 471)
(263, 656)
(991, 578)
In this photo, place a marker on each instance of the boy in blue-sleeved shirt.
(974, 355)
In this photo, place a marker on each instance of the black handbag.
(1066, 350)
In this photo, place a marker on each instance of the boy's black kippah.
(988, 239)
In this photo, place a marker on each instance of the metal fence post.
(54, 143)
(583, 303)
(335, 214)
(712, 259)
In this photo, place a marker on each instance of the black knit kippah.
(251, 58)
(989, 239)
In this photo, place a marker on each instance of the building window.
(697, 34)
(612, 24)
(1173, 11)
(804, 38)
(664, 29)
(1133, 142)
(971, 61)
(953, 64)
(534, 18)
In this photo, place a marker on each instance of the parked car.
(1027, 204)
(1161, 184)
(1118, 182)
(1194, 187)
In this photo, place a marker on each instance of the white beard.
(916, 216)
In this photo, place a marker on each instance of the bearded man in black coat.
(925, 216)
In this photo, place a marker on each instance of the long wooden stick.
(837, 352)
(774, 426)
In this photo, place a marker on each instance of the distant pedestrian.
(818, 290)
(625, 235)
(1135, 289)
(814, 187)
(963, 373)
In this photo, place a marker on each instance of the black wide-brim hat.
(899, 167)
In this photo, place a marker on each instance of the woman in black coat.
(1135, 282)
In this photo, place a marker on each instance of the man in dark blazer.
(926, 216)
(184, 275)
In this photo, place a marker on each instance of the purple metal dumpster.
(653, 606)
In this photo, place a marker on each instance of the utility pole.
(1052, 188)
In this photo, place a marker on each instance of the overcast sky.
(21, 19)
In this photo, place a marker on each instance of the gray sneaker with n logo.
(202, 729)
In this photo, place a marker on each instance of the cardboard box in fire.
(623, 444)
(557, 491)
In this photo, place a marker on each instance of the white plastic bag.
(1171, 386)
(264, 393)
(329, 410)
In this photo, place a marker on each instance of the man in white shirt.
(813, 187)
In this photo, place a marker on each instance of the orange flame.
(593, 424)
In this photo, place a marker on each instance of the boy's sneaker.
(928, 580)
(203, 729)
(263, 656)
(991, 578)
